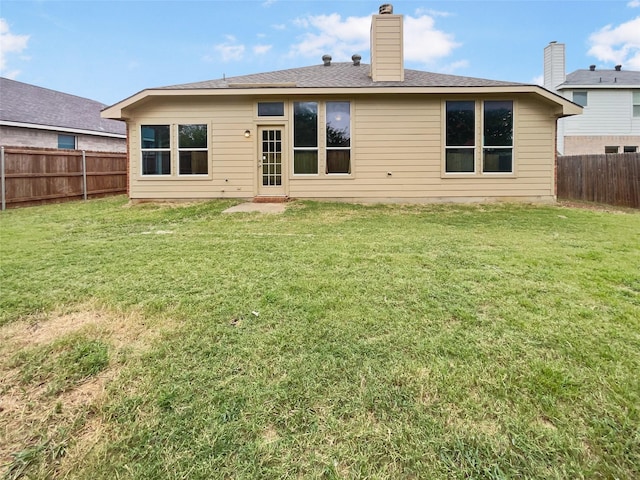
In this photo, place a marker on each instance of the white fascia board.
(62, 129)
(608, 86)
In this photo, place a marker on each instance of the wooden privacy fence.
(32, 176)
(613, 178)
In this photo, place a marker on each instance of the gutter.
(62, 129)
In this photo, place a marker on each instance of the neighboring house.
(32, 116)
(345, 131)
(610, 122)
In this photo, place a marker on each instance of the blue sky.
(109, 50)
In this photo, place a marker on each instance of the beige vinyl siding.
(401, 135)
(405, 137)
(231, 155)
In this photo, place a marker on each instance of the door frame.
(282, 190)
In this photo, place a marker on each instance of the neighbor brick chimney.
(387, 57)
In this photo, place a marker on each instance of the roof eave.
(117, 111)
(604, 86)
(55, 128)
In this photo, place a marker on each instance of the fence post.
(84, 174)
(2, 184)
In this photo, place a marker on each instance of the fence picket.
(33, 176)
(612, 178)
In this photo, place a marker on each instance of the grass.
(333, 341)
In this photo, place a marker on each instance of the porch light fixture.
(247, 133)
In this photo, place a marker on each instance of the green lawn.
(332, 341)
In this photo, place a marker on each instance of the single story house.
(345, 131)
(32, 116)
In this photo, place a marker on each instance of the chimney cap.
(326, 59)
(386, 9)
(618, 68)
(356, 59)
(592, 68)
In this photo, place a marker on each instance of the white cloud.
(423, 42)
(454, 66)
(434, 13)
(538, 80)
(229, 50)
(268, 3)
(341, 38)
(11, 75)
(9, 44)
(333, 35)
(279, 26)
(634, 4)
(261, 49)
(619, 45)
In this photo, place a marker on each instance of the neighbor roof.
(26, 105)
(339, 75)
(602, 79)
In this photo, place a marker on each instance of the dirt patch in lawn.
(596, 207)
(39, 420)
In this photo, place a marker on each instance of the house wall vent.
(356, 59)
(386, 9)
(326, 59)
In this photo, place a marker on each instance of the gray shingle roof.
(601, 78)
(24, 103)
(339, 75)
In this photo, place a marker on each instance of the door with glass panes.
(271, 167)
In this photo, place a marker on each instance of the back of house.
(345, 131)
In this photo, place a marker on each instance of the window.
(460, 137)
(497, 151)
(67, 141)
(156, 150)
(271, 109)
(338, 137)
(630, 149)
(305, 138)
(192, 150)
(636, 104)
(580, 98)
(611, 149)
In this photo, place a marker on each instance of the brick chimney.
(387, 57)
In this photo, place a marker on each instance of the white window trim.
(174, 152)
(142, 150)
(274, 117)
(635, 102)
(513, 140)
(478, 148)
(75, 141)
(586, 93)
(293, 140)
(473, 147)
(184, 176)
(349, 148)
